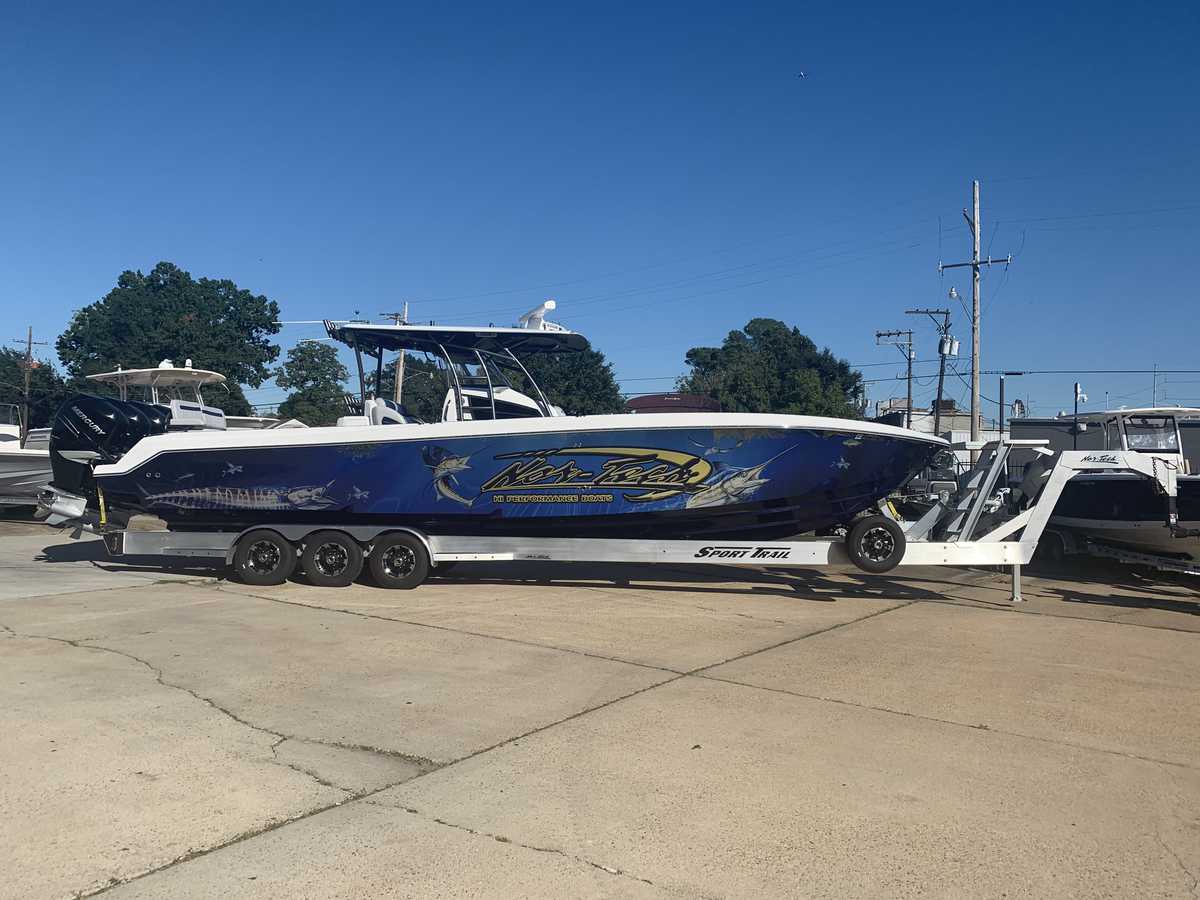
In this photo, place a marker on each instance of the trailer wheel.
(1051, 548)
(264, 557)
(331, 559)
(398, 561)
(875, 544)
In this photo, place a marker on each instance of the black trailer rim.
(877, 544)
(264, 557)
(398, 561)
(331, 559)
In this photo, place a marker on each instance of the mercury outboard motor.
(89, 431)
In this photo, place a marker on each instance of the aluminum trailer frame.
(1011, 543)
(1076, 546)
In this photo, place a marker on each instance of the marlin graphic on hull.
(265, 498)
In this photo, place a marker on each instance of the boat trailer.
(984, 523)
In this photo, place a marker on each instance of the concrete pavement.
(594, 731)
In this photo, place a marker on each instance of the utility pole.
(28, 342)
(1004, 375)
(947, 346)
(401, 318)
(973, 222)
(905, 347)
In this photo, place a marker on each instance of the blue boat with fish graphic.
(502, 461)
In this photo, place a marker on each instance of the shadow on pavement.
(811, 584)
(72, 551)
(1181, 604)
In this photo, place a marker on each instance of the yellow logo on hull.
(659, 474)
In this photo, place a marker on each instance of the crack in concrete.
(204, 851)
(364, 796)
(975, 726)
(555, 851)
(742, 615)
(572, 650)
(159, 678)
(143, 582)
(478, 634)
(1193, 887)
(84, 644)
(803, 637)
(302, 770)
(422, 761)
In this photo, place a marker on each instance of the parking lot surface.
(594, 731)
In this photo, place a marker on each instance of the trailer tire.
(398, 561)
(264, 557)
(1051, 548)
(331, 559)
(875, 544)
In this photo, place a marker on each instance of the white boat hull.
(23, 474)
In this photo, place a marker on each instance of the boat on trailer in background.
(178, 388)
(1118, 514)
(24, 466)
(25, 470)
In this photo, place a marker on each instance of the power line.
(1111, 214)
(1097, 371)
(730, 288)
(604, 298)
(659, 264)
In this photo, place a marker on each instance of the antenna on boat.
(535, 319)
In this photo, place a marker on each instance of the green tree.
(581, 383)
(316, 378)
(769, 367)
(167, 314)
(47, 390)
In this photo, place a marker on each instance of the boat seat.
(387, 412)
(1034, 479)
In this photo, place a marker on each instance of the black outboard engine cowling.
(90, 431)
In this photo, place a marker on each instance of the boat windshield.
(489, 385)
(1152, 433)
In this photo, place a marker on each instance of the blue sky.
(659, 169)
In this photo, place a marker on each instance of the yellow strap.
(103, 512)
